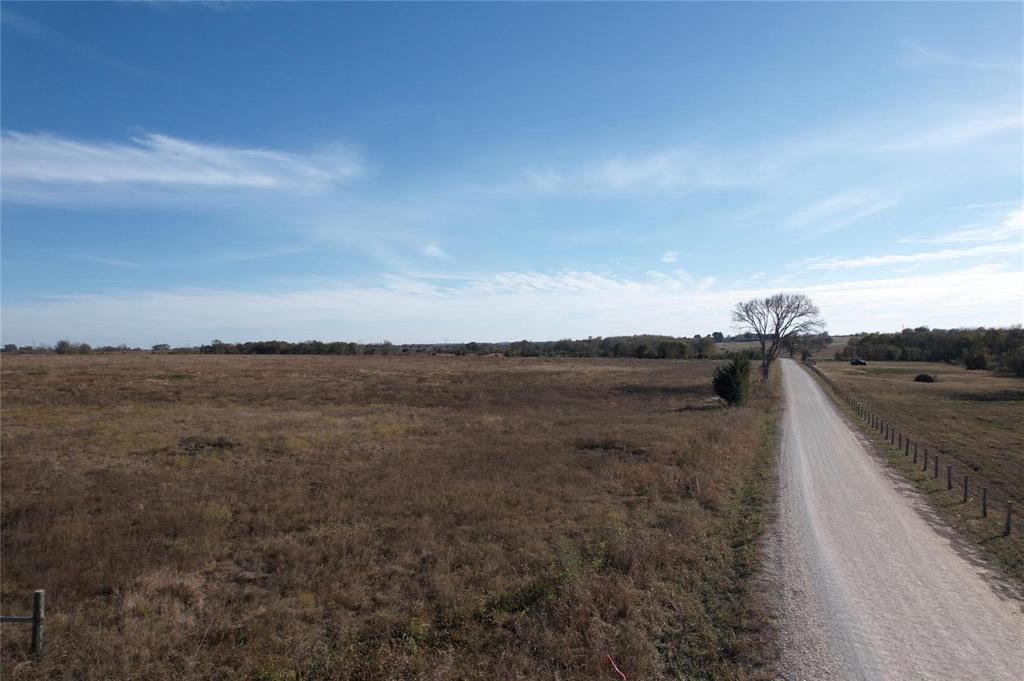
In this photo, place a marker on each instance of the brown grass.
(827, 352)
(975, 421)
(380, 518)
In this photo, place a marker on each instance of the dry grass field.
(974, 420)
(287, 518)
(827, 352)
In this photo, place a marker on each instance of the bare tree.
(775, 319)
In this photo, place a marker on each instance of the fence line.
(901, 442)
(35, 619)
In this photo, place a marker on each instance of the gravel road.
(867, 587)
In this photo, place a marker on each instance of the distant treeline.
(642, 347)
(1001, 349)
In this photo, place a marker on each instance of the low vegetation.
(974, 421)
(732, 381)
(639, 347)
(197, 516)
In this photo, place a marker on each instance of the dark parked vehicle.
(858, 362)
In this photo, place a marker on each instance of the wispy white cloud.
(506, 306)
(666, 171)
(990, 204)
(111, 262)
(670, 256)
(838, 211)
(920, 54)
(1012, 226)
(434, 251)
(40, 165)
(1001, 249)
(41, 32)
(951, 135)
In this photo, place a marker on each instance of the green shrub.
(1013, 363)
(732, 381)
(976, 358)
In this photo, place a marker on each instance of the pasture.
(827, 352)
(296, 517)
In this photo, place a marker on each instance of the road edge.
(897, 471)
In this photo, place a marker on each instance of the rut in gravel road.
(867, 588)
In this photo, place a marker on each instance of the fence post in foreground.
(949, 477)
(936, 476)
(915, 456)
(38, 603)
(966, 483)
(1009, 515)
(984, 502)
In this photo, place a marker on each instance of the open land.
(827, 352)
(381, 517)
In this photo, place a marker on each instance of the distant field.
(973, 419)
(828, 352)
(286, 518)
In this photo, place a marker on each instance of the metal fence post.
(38, 604)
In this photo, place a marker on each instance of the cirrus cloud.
(37, 166)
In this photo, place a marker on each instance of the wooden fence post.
(984, 502)
(915, 449)
(966, 483)
(915, 456)
(949, 477)
(38, 603)
(901, 441)
(925, 466)
(936, 476)
(907, 451)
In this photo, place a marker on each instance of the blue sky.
(429, 172)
